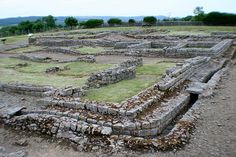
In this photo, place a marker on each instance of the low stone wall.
(137, 52)
(59, 126)
(25, 89)
(33, 58)
(222, 46)
(84, 58)
(88, 58)
(186, 49)
(124, 45)
(74, 42)
(68, 92)
(111, 76)
(146, 44)
(125, 70)
(61, 50)
(132, 62)
(180, 73)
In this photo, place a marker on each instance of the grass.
(90, 50)
(173, 28)
(25, 49)
(34, 73)
(154, 69)
(10, 75)
(146, 76)
(84, 69)
(181, 30)
(14, 39)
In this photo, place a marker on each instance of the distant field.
(206, 29)
(172, 30)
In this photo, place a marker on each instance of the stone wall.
(222, 46)
(34, 58)
(132, 62)
(111, 76)
(64, 50)
(176, 75)
(74, 42)
(68, 92)
(125, 70)
(25, 89)
(186, 49)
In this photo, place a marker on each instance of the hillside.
(60, 19)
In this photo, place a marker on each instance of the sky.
(170, 8)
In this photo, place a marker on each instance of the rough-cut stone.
(196, 88)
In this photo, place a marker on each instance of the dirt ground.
(215, 133)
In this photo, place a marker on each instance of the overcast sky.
(173, 8)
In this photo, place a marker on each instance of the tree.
(114, 21)
(25, 26)
(131, 22)
(92, 23)
(38, 26)
(150, 20)
(49, 21)
(217, 18)
(71, 22)
(199, 14)
(187, 18)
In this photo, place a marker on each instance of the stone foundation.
(25, 89)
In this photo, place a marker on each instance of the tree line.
(49, 22)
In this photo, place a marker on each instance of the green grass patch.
(154, 69)
(122, 90)
(90, 50)
(11, 75)
(14, 39)
(84, 69)
(147, 75)
(34, 73)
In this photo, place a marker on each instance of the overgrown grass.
(147, 75)
(90, 50)
(34, 73)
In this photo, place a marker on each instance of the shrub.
(150, 20)
(114, 21)
(71, 22)
(131, 22)
(93, 23)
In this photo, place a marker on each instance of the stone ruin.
(138, 122)
(126, 70)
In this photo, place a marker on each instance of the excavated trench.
(192, 101)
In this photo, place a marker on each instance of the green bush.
(92, 23)
(150, 20)
(71, 22)
(131, 22)
(114, 21)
